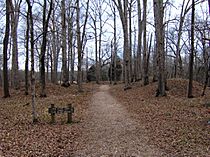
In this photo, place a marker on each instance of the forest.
(105, 78)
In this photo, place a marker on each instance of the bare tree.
(191, 59)
(34, 114)
(5, 47)
(159, 34)
(130, 37)
(80, 42)
(45, 23)
(139, 49)
(115, 46)
(145, 76)
(123, 11)
(27, 54)
(71, 40)
(65, 75)
(178, 62)
(55, 42)
(15, 10)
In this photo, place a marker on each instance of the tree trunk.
(206, 63)
(27, 54)
(111, 65)
(139, 46)
(54, 49)
(178, 62)
(86, 65)
(45, 23)
(154, 61)
(159, 33)
(5, 47)
(70, 42)
(80, 41)
(123, 11)
(72, 64)
(34, 114)
(79, 49)
(96, 53)
(191, 59)
(146, 77)
(65, 75)
(100, 42)
(115, 48)
(14, 25)
(130, 40)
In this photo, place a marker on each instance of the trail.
(109, 130)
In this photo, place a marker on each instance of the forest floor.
(108, 122)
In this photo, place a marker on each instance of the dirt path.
(110, 131)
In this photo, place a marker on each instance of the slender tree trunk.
(139, 49)
(159, 33)
(115, 48)
(54, 49)
(45, 23)
(146, 77)
(34, 114)
(15, 9)
(27, 54)
(70, 42)
(100, 42)
(80, 41)
(79, 49)
(72, 63)
(123, 11)
(5, 48)
(135, 57)
(178, 62)
(65, 75)
(154, 60)
(111, 65)
(126, 47)
(96, 53)
(190, 85)
(86, 65)
(48, 62)
(205, 57)
(130, 40)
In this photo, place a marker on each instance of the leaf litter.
(175, 124)
(19, 137)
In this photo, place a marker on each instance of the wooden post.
(52, 113)
(69, 113)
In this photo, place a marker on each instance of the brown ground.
(19, 137)
(110, 131)
(108, 122)
(175, 124)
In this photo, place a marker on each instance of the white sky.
(175, 12)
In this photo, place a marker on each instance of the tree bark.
(178, 62)
(139, 49)
(123, 11)
(15, 9)
(130, 40)
(159, 34)
(145, 76)
(80, 41)
(5, 48)
(27, 54)
(65, 75)
(191, 59)
(115, 48)
(33, 94)
(45, 23)
(54, 49)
